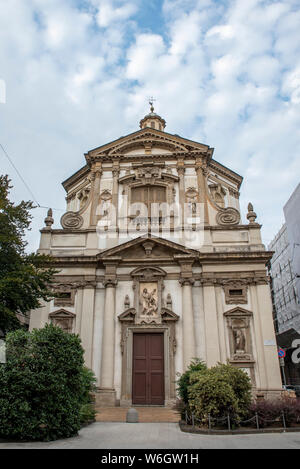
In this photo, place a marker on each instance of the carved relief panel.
(148, 287)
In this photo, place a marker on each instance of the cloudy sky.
(75, 74)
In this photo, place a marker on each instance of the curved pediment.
(148, 272)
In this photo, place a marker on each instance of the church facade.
(156, 268)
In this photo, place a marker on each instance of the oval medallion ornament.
(228, 216)
(71, 221)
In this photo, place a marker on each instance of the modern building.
(284, 268)
(157, 268)
(292, 217)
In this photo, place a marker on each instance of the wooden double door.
(148, 369)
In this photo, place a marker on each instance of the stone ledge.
(246, 431)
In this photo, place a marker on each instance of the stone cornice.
(67, 183)
(224, 171)
(249, 257)
(235, 257)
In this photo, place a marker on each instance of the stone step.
(146, 414)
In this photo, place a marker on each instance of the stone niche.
(240, 340)
(63, 319)
(148, 314)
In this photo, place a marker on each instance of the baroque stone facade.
(149, 291)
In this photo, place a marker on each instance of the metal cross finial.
(151, 101)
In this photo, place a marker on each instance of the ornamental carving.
(228, 216)
(148, 300)
(218, 194)
(235, 292)
(191, 196)
(71, 221)
(105, 195)
(63, 319)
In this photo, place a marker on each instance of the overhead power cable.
(24, 182)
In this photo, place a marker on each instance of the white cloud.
(109, 12)
(224, 73)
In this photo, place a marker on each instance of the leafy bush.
(43, 385)
(184, 380)
(219, 390)
(87, 414)
(240, 383)
(270, 411)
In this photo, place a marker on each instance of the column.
(268, 336)
(221, 325)
(211, 326)
(96, 176)
(201, 171)
(107, 395)
(78, 308)
(87, 322)
(115, 191)
(98, 330)
(188, 329)
(181, 171)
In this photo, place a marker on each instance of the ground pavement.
(112, 435)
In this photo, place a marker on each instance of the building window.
(235, 293)
(148, 195)
(64, 298)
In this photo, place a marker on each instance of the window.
(235, 292)
(148, 195)
(63, 298)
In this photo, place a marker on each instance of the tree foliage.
(24, 278)
(44, 386)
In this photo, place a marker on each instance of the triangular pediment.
(128, 315)
(238, 312)
(148, 137)
(61, 314)
(168, 315)
(147, 247)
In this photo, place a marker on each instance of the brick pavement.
(146, 414)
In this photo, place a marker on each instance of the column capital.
(110, 283)
(186, 281)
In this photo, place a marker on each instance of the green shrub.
(219, 390)
(184, 380)
(241, 385)
(43, 385)
(87, 413)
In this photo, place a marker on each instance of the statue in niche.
(148, 301)
(239, 341)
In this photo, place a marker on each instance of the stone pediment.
(238, 313)
(145, 139)
(168, 315)
(61, 314)
(128, 315)
(146, 248)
